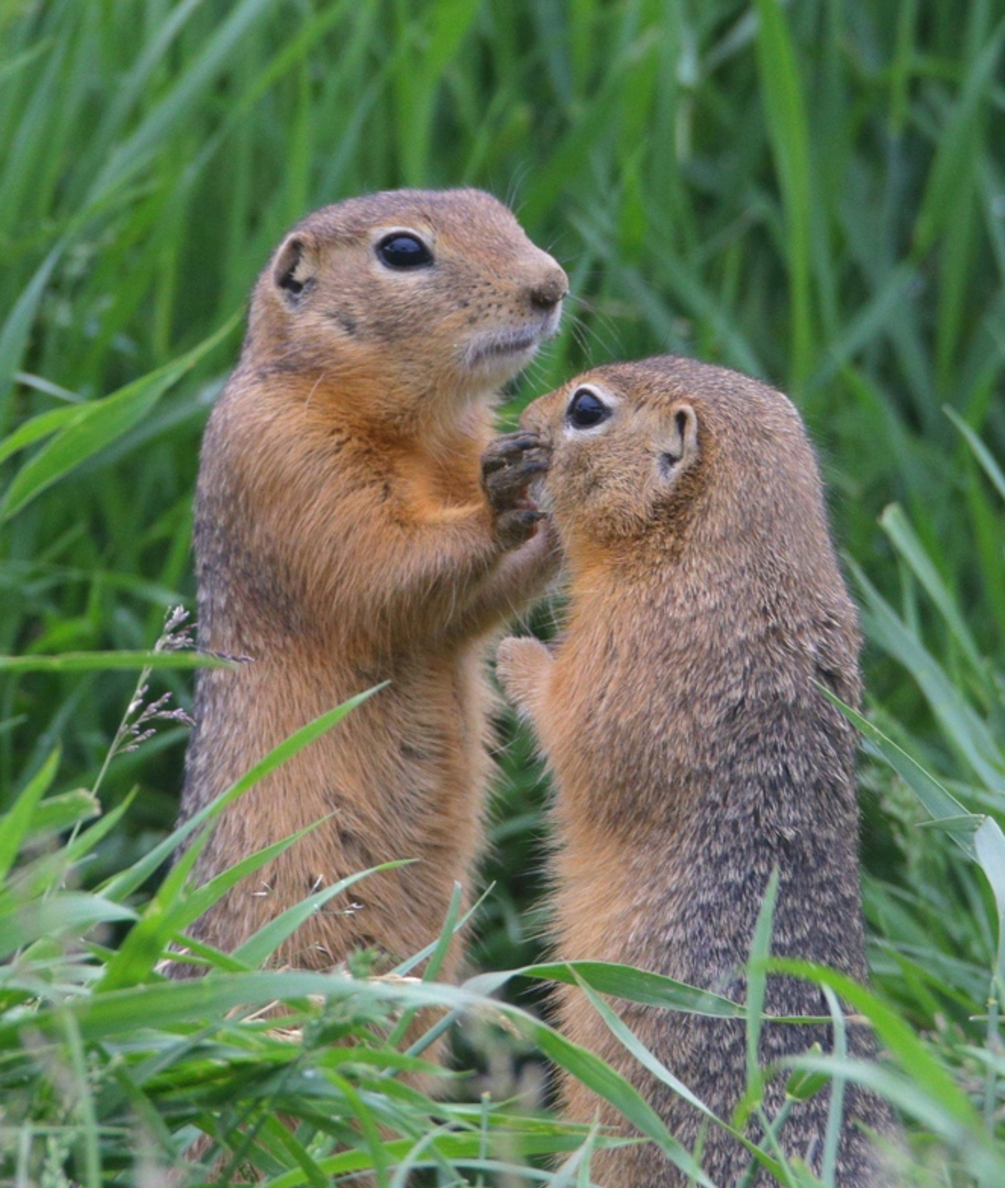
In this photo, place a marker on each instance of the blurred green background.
(813, 193)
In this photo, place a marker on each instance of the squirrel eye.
(586, 409)
(399, 250)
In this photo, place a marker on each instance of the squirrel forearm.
(523, 666)
(518, 578)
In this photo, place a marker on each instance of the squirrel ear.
(293, 270)
(682, 443)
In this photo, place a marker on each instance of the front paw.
(510, 464)
(522, 665)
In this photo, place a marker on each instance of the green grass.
(810, 192)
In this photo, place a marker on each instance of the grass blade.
(99, 423)
(261, 944)
(894, 1033)
(980, 451)
(69, 913)
(757, 979)
(111, 661)
(127, 881)
(940, 804)
(898, 528)
(621, 981)
(16, 823)
(785, 112)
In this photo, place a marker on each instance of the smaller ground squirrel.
(349, 531)
(691, 748)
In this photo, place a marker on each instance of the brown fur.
(346, 535)
(690, 747)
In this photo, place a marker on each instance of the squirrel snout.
(547, 293)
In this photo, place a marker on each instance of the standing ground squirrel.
(348, 531)
(691, 749)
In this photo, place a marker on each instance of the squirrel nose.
(547, 293)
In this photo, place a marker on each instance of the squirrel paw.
(509, 464)
(522, 665)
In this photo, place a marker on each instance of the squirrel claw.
(508, 447)
(516, 526)
(509, 464)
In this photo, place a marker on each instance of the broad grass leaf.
(989, 843)
(49, 871)
(172, 910)
(956, 149)
(83, 1091)
(595, 116)
(591, 1071)
(369, 1127)
(41, 426)
(22, 60)
(98, 423)
(915, 1098)
(263, 943)
(190, 84)
(111, 661)
(575, 1171)
(620, 1030)
(167, 1005)
(681, 281)
(835, 1109)
(16, 823)
(406, 966)
(439, 954)
(420, 1151)
(801, 1086)
(898, 528)
(201, 899)
(126, 1086)
(980, 451)
(964, 730)
(446, 25)
(58, 813)
(620, 981)
(70, 913)
(634, 1045)
(126, 882)
(968, 823)
(17, 326)
(868, 324)
(137, 81)
(757, 981)
(436, 959)
(785, 111)
(281, 1139)
(941, 805)
(445, 1149)
(892, 1031)
(133, 961)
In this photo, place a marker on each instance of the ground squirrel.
(348, 531)
(691, 748)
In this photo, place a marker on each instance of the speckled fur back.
(691, 746)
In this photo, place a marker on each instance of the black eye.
(399, 250)
(586, 409)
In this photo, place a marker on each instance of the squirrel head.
(682, 462)
(409, 293)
